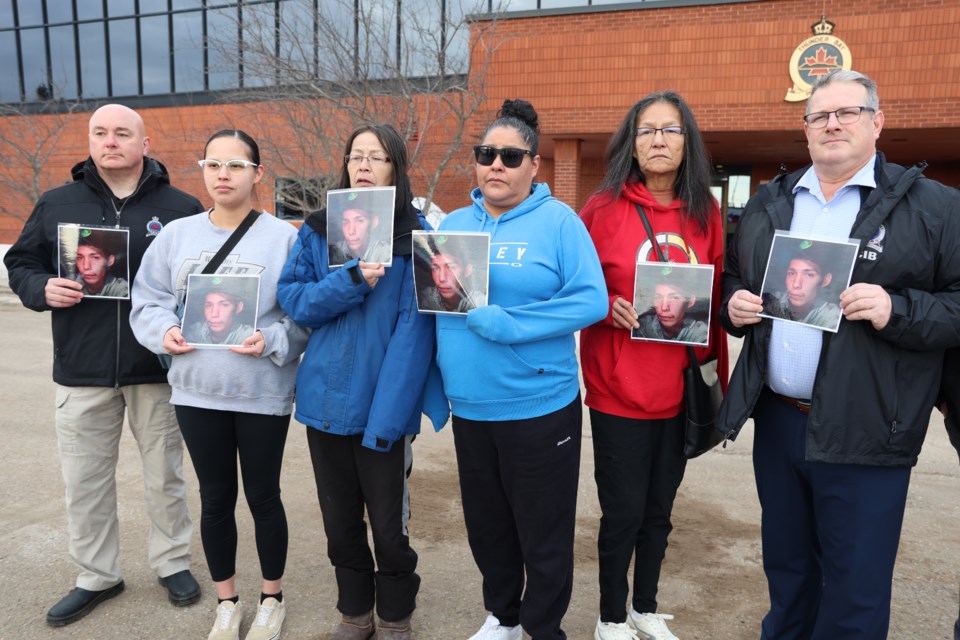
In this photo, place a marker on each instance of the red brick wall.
(177, 137)
(566, 177)
(729, 61)
(582, 71)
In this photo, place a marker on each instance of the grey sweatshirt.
(219, 378)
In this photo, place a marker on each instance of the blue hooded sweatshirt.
(516, 357)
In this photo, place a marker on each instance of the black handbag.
(702, 396)
(211, 267)
(702, 393)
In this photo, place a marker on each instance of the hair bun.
(521, 110)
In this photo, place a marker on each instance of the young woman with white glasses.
(229, 402)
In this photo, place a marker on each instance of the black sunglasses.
(509, 156)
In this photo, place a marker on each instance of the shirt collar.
(862, 178)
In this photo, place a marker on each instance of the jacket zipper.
(117, 212)
(761, 357)
(116, 364)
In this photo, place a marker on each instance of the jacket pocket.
(475, 368)
(62, 396)
(892, 414)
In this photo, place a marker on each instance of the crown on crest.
(823, 28)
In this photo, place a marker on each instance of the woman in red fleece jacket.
(657, 160)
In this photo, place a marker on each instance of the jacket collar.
(893, 182)
(153, 173)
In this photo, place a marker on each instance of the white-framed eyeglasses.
(233, 166)
(375, 161)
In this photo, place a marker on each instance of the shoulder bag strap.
(231, 242)
(646, 225)
(691, 354)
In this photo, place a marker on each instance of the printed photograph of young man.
(95, 258)
(220, 309)
(360, 225)
(673, 303)
(450, 271)
(804, 279)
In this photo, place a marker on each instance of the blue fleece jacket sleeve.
(580, 301)
(398, 395)
(309, 292)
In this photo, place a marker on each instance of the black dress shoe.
(79, 603)
(182, 588)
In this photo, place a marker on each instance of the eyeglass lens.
(233, 166)
(372, 160)
(846, 115)
(650, 132)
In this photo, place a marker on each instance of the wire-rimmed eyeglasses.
(375, 161)
(845, 115)
(647, 133)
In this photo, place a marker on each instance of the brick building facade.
(583, 68)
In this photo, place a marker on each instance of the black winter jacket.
(950, 396)
(92, 341)
(874, 390)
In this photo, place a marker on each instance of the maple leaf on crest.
(821, 59)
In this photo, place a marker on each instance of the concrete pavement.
(712, 577)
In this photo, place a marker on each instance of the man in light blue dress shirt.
(840, 417)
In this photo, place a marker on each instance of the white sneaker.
(651, 626)
(613, 631)
(270, 615)
(492, 630)
(227, 624)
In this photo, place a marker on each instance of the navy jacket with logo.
(93, 344)
(874, 390)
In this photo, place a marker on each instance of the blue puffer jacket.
(370, 351)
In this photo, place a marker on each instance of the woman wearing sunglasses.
(510, 372)
(656, 161)
(232, 402)
(359, 393)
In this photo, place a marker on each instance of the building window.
(731, 187)
(295, 198)
(150, 48)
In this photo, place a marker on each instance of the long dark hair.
(242, 136)
(404, 214)
(692, 185)
(521, 116)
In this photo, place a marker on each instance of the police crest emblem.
(876, 242)
(816, 57)
(154, 226)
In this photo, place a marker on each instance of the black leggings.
(214, 438)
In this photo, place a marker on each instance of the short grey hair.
(841, 75)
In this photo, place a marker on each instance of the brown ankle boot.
(354, 627)
(399, 630)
